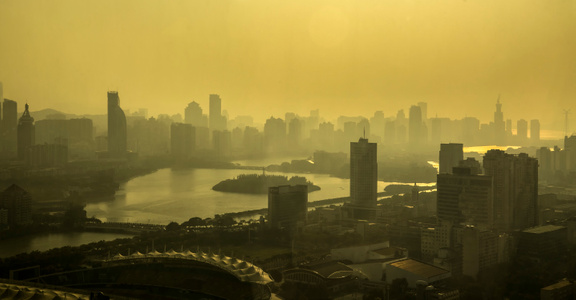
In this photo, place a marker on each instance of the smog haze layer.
(268, 57)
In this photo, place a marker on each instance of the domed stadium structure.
(170, 275)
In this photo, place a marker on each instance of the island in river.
(259, 184)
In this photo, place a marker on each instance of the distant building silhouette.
(26, 134)
(182, 140)
(522, 131)
(515, 189)
(415, 129)
(47, 155)
(222, 142)
(470, 131)
(294, 135)
(117, 136)
(424, 110)
(401, 127)
(287, 206)
(499, 125)
(193, 115)
(390, 133)
(51, 130)
(216, 119)
(18, 204)
(275, 134)
(450, 156)
(363, 178)
(535, 132)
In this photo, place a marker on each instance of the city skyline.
(296, 56)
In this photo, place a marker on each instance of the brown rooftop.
(419, 268)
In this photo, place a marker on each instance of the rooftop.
(557, 285)
(543, 229)
(419, 268)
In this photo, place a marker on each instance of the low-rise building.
(414, 271)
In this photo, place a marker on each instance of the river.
(178, 194)
(173, 195)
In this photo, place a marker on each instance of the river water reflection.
(177, 195)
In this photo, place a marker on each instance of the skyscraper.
(216, 120)
(182, 140)
(450, 156)
(363, 178)
(535, 132)
(275, 134)
(415, 126)
(515, 189)
(26, 134)
(499, 125)
(424, 109)
(522, 130)
(117, 137)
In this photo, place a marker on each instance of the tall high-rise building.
(275, 134)
(294, 133)
(182, 140)
(216, 119)
(515, 189)
(470, 130)
(363, 178)
(222, 142)
(19, 205)
(390, 133)
(415, 126)
(378, 123)
(499, 125)
(535, 131)
(522, 130)
(287, 206)
(26, 134)
(450, 156)
(424, 109)
(435, 130)
(9, 127)
(117, 135)
(465, 198)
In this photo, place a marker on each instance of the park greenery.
(259, 183)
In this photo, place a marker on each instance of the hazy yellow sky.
(267, 57)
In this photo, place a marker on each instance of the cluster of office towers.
(41, 143)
